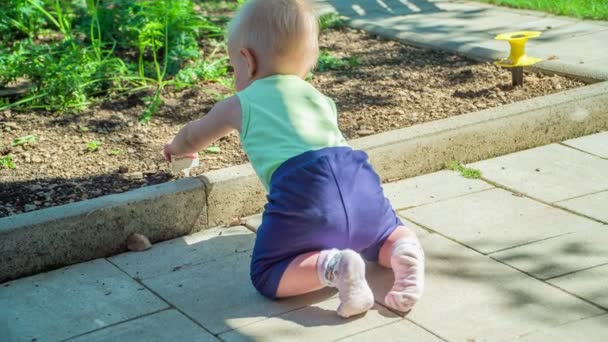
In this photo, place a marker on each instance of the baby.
(326, 210)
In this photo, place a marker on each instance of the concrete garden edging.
(41, 240)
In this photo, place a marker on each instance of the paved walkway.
(517, 255)
(466, 26)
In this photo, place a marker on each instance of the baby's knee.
(262, 284)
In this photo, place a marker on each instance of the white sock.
(407, 262)
(346, 271)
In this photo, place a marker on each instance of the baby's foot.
(407, 262)
(355, 295)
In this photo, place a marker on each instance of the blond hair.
(276, 28)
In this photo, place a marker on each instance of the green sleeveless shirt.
(284, 116)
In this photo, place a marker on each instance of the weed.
(202, 70)
(212, 149)
(115, 152)
(23, 140)
(93, 145)
(328, 62)
(7, 162)
(466, 172)
(331, 21)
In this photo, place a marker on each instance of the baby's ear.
(252, 63)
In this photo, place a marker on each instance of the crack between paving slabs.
(432, 231)
(171, 306)
(527, 243)
(578, 149)
(397, 209)
(580, 196)
(114, 324)
(572, 272)
(555, 287)
(561, 324)
(345, 338)
(513, 191)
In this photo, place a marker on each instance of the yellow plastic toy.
(517, 57)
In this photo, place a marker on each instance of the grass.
(466, 172)
(586, 9)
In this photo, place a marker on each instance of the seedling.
(93, 145)
(7, 161)
(213, 149)
(23, 140)
(465, 172)
(115, 152)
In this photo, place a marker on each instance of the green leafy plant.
(72, 52)
(331, 21)
(328, 62)
(466, 172)
(23, 140)
(7, 162)
(93, 145)
(213, 149)
(115, 152)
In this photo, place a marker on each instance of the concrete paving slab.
(569, 46)
(168, 325)
(595, 144)
(558, 256)
(461, 26)
(551, 173)
(594, 205)
(318, 322)
(220, 297)
(591, 284)
(463, 286)
(593, 329)
(71, 301)
(430, 188)
(495, 219)
(399, 331)
(188, 251)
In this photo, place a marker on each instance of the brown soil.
(395, 86)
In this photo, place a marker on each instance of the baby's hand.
(167, 151)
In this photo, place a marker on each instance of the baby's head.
(269, 37)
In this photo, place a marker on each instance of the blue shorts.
(329, 198)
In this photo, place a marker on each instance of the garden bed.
(381, 85)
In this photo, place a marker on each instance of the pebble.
(36, 159)
(138, 242)
(365, 132)
(133, 175)
(29, 207)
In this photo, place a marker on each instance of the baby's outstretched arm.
(224, 117)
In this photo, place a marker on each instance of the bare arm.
(224, 117)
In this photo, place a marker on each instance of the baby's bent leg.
(300, 276)
(342, 269)
(403, 253)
